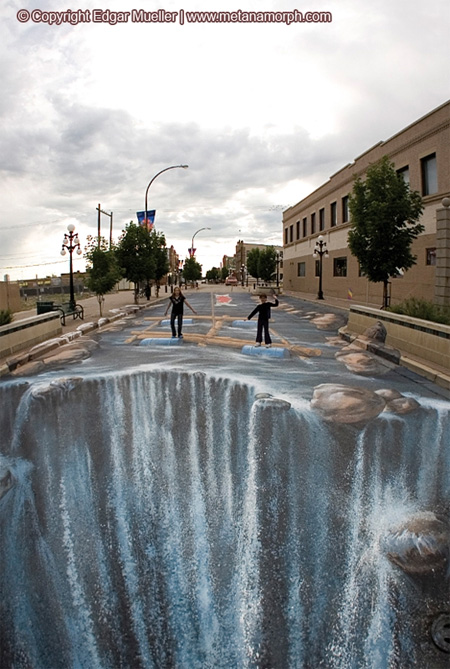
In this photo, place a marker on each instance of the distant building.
(421, 153)
(241, 255)
(9, 296)
(51, 285)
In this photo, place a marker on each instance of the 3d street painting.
(195, 507)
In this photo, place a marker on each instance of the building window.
(286, 235)
(305, 227)
(345, 210)
(404, 173)
(333, 212)
(322, 219)
(313, 223)
(291, 233)
(431, 256)
(340, 267)
(297, 230)
(301, 269)
(429, 174)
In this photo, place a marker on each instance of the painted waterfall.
(157, 518)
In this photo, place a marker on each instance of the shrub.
(5, 316)
(424, 309)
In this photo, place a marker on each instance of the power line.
(39, 264)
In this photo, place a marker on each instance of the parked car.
(231, 281)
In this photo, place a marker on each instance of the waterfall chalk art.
(161, 517)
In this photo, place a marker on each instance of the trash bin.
(44, 307)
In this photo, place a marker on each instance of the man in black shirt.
(263, 311)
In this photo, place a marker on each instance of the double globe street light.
(71, 242)
(320, 250)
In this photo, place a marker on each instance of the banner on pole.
(146, 221)
(192, 252)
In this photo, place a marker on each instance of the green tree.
(213, 274)
(253, 263)
(192, 270)
(224, 273)
(267, 263)
(158, 242)
(384, 214)
(103, 271)
(135, 256)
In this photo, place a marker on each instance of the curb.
(36, 352)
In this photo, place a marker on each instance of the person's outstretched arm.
(188, 305)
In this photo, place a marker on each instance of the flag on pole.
(146, 221)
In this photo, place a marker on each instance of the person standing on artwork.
(263, 311)
(177, 301)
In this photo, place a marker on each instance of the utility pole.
(100, 211)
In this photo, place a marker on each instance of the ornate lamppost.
(71, 242)
(320, 250)
(279, 262)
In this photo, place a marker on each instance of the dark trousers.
(263, 326)
(179, 318)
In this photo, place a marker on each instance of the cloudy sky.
(262, 113)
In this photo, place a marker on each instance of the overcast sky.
(262, 113)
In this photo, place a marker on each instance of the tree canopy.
(384, 214)
(262, 263)
(135, 255)
(253, 263)
(192, 270)
(103, 271)
(213, 274)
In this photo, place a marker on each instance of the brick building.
(421, 153)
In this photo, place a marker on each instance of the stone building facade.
(421, 153)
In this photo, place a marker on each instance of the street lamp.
(172, 167)
(279, 262)
(320, 251)
(71, 242)
(192, 254)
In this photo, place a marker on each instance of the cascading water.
(166, 519)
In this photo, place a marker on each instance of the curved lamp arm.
(172, 167)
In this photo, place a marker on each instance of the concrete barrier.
(28, 332)
(424, 339)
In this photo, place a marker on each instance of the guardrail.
(19, 335)
(424, 339)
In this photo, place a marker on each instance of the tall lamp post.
(320, 251)
(172, 167)
(279, 262)
(71, 242)
(192, 247)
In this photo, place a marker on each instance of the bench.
(65, 309)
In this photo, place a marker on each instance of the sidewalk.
(430, 372)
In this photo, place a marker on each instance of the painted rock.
(377, 332)
(419, 545)
(345, 404)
